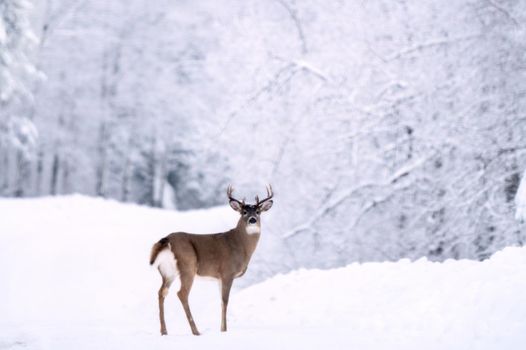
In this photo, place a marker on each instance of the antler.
(229, 192)
(270, 194)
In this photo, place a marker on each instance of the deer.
(223, 256)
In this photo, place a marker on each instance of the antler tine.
(269, 191)
(229, 192)
(270, 194)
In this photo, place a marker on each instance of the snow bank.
(422, 304)
(74, 274)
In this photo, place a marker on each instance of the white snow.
(74, 275)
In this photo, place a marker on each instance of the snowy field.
(74, 275)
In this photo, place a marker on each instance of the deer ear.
(266, 206)
(235, 205)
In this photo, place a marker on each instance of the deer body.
(223, 256)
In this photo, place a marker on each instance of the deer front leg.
(226, 284)
(187, 279)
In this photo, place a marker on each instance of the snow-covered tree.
(18, 135)
(16, 43)
(388, 129)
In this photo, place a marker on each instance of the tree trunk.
(160, 179)
(66, 170)
(5, 171)
(125, 187)
(39, 172)
(23, 174)
(101, 167)
(54, 174)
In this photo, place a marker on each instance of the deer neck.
(249, 238)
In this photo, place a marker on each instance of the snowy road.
(74, 275)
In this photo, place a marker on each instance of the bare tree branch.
(505, 12)
(297, 23)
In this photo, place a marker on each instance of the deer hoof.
(164, 332)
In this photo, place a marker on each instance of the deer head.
(250, 213)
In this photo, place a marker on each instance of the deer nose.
(252, 220)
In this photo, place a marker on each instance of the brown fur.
(224, 256)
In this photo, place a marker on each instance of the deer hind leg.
(163, 292)
(168, 270)
(226, 284)
(187, 279)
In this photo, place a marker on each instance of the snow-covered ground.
(74, 275)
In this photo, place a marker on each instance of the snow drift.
(75, 274)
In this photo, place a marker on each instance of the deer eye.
(258, 212)
(244, 212)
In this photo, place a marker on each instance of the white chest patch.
(253, 229)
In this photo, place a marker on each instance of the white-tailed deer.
(223, 256)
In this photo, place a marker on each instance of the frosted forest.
(389, 130)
